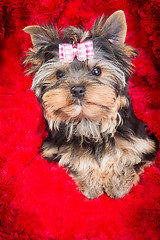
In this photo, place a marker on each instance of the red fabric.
(38, 199)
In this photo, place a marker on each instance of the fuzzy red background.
(38, 199)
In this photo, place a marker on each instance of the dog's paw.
(48, 151)
(119, 187)
(92, 192)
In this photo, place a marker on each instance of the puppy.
(80, 80)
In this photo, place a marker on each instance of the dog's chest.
(106, 160)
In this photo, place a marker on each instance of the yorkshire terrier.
(80, 79)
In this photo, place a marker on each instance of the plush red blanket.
(38, 199)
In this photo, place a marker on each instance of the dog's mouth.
(78, 102)
(76, 112)
(97, 104)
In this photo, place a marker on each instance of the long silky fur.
(97, 138)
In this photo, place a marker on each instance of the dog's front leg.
(84, 169)
(90, 183)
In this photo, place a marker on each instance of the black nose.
(78, 91)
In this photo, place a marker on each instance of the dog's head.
(90, 90)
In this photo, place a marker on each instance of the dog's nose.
(78, 91)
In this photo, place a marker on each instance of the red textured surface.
(38, 199)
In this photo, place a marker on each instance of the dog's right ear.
(41, 35)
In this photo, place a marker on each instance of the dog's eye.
(59, 74)
(96, 71)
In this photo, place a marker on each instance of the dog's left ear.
(113, 28)
(41, 35)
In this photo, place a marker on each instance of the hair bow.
(84, 50)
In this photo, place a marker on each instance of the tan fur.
(115, 174)
(119, 174)
(49, 152)
(59, 108)
(99, 102)
(101, 107)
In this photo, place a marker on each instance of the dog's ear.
(41, 35)
(113, 28)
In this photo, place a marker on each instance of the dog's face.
(89, 91)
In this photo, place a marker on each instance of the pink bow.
(84, 50)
